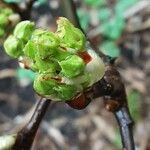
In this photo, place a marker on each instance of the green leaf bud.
(44, 84)
(61, 54)
(71, 37)
(24, 30)
(46, 65)
(46, 43)
(13, 46)
(66, 92)
(72, 66)
(62, 69)
(30, 49)
(37, 33)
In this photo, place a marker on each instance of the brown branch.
(26, 136)
(116, 102)
(125, 124)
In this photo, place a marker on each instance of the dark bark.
(125, 124)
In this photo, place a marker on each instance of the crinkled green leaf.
(72, 66)
(13, 46)
(66, 92)
(24, 30)
(71, 37)
(44, 84)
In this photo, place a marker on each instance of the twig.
(26, 136)
(69, 11)
(125, 123)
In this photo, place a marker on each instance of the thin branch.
(26, 136)
(69, 11)
(125, 123)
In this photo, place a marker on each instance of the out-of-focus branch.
(69, 10)
(26, 136)
(125, 123)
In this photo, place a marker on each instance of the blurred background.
(119, 28)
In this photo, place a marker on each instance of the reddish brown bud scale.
(79, 102)
(85, 56)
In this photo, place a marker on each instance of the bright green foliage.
(95, 3)
(30, 49)
(46, 65)
(24, 30)
(109, 48)
(72, 66)
(46, 43)
(54, 57)
(44, 84)
(66, 91)
(61, 54)
(134, 104)
(70, 36)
